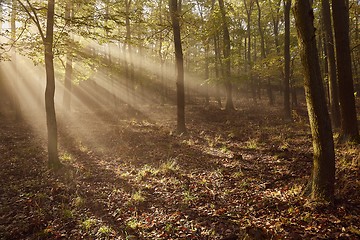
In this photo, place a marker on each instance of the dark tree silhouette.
(349, 127)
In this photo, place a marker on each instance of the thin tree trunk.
(161, 40)
(13, 84)
(50, 88)
(217, 72)
(287, 110)
(248, 53)
(261, 31)
(69, 61)
(276, 20)
(331, 65)
(226, 49)
(349, 127)
(207, 73)
(323, 173)
(129, 64)
(175, 15)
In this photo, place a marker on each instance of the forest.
(179, 119)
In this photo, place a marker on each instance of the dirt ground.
(128, 175)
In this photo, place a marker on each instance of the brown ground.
(128, 176)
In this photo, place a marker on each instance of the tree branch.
(33, 18)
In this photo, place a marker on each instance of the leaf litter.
(233, 176)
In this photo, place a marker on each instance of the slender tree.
(323, 173)
(229, 106)
(331, 64)
(69, 60)
(249, 8)
(13, 84)
(287, 110)
(48, 39)
(175, 18)
(349, 127)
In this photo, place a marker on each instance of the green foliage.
(169, 166)
(88, 224)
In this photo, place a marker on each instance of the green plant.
(238, 175)
(83, 148)
(104, 231)
(146, 171)
(252, 144)
(78, 201)
(133, 223)
(68, 214)
(138, 197)
(169, 227)
(88, 224)
(169, 166)
(188, 197)
(224, 149)
(66, 156)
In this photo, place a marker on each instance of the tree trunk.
(207, 73)
(261, 31)
(331, 65)
(287, 110)
(13, 84)
(323, 173)
(175, 15)
(162, 60)
(226, 49)
(248, 53)
(276, 20)
(69, 61)
(349, 127)
(50, 88)
(129, 64)
(217, 72)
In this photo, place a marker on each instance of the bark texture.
(323, 173)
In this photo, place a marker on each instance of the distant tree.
(287, 110)
(331, 64)
(48, 39)
(227, 65)
(175, 18)
(249, 8)
(349, 127)
(323, 172)
(69, 59)
(129, 65)
(14, 82)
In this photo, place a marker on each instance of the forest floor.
(128, 175)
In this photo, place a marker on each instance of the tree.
(287, 110)
(249, 8)
(229, 106)
(349, 127)
(331, 65)
(69, 60)
(129, 67)
(47, 39)
(323, 172)
(13, 84)
(175, 18)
